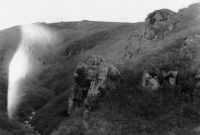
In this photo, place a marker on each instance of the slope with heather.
(123, 111)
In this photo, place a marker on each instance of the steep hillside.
(166, 40)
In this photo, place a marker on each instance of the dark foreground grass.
(131, 110)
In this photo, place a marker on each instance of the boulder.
(149, 81)
(153, 84)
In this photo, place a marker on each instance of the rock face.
(90, 82)
(155, 23)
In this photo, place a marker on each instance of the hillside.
(172, 42)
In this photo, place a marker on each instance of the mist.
(37, 41)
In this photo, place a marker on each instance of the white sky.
(15, 12)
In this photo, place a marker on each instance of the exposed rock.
(172, 81)
(170, 77)
(153, 84)
(150, 82)
(156, 24)
(29, 118)
(145, 79)
(153, 79)
(90, 80)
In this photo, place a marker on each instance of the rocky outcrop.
(91, 79)
(156, 24)
(152, 80)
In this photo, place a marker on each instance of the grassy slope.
(113, 41)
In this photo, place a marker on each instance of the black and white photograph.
(99, 67)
